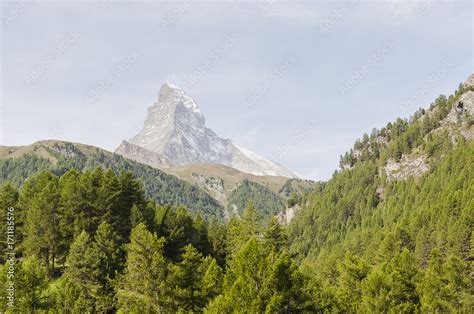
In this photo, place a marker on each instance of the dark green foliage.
(402, 246)
(179, 228)
(159, 186)
(260, 277)
(297, 186)
(143, 286)
(390, 238)
(81, 221)
(30, 286)
(40, 198)
(111, 255)
(82, 275)
(403, 136)
(264, 200)
(18, 170)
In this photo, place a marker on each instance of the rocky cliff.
(175, 133)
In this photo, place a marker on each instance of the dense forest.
(58, 157)
(90, 239)
(265, 201)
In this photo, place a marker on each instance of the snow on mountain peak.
(171, 86)
(175, 128)
(171, 94)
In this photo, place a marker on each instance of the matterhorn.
(175, 134)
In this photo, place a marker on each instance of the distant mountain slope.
(230, 176)
(221, 182)
(175, 133)
(18, 163)
(266, 202)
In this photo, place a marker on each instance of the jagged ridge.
(175, 133)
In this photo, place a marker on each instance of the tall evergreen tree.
(82, 276)
(143, 286)
(41, 198)
(110, 255)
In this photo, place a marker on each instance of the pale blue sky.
(295, 82)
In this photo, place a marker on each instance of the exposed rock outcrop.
(143, 155)
(408, 166)
(287, 215)
(469, 81)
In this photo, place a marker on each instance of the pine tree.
(352, 271)
(446, 287)
(186, 281)
(212, 280)
(130, 193)
(83, 273)
(244, 283)
(217, 234)
(41, 198)
(143, 286)
(239, 231)
(393, 286)
(30, 283)
(285, 285)
(136, 216)
(107, 243)
(275, 237)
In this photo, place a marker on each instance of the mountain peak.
(175, 129)
(172, 96)
(170, 86)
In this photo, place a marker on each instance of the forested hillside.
(377, 237)
(233, 189)
(391, 231)
(266, 202)
(92, 242)
(19, 163)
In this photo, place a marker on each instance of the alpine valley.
(179, 220)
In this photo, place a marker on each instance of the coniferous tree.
(186, 281)
(41, 198)
(110, 254)
(30, 283)
(143, 286)
(82, 276)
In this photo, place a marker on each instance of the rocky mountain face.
(450, 118)
(143, 155)
(175, 134)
